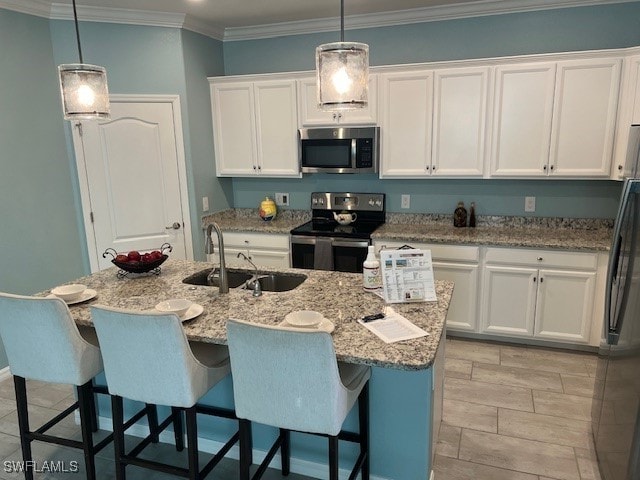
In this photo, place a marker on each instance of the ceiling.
(242, 19)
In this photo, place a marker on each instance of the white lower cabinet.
(265, 250)
(458, 264)
(537, 293)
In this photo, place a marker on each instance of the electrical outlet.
(405, 201)
(205, 204)
(529, 204)
(282, 199)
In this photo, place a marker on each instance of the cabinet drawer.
(452, 253)
(269, 241)
(541, 258)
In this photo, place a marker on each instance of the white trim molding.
(5, 373)
(60, 11)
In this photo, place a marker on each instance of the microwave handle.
(354, 151)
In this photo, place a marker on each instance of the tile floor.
(516, 413)
(510, 413)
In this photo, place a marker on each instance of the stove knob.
(371, 202)
(379, 203)
(314, 201)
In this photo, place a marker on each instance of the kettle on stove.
(345, 218)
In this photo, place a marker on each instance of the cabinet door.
(463, 312)
(584, 117)
(459, 120)
(523, 107)
(277, 127)
(635, 65)
(564, 305)
(234, 128)
(311, 115)
(405, 127)
(508, 300)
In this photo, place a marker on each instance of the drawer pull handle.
(534, 279)
(541, 279)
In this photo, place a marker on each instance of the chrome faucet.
(257, 288)
(224, 283)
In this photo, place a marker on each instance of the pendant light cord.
(75, 18)
(341, 20)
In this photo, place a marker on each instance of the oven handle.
(336, 242)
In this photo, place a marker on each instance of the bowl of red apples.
(139, 262)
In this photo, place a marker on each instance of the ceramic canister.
(268, 209)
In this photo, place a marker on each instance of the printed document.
(407, 276)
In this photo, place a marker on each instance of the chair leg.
(246, 449)
(333, 457)
(117, 412)
(178, 431)
(363, 419)
(23, 424)
(192, 443)
(85, 399)
(285, 451)
(152, 419)
(93, 410)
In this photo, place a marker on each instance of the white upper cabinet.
(635, 66)
(555, 118)
(255, 128)
(405, 124)
(523, 107)
(234, 128)
(584, 117)
(311, 115)
(459, 121)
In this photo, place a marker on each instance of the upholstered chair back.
(43, 343)
(288, 378)
(147, 358)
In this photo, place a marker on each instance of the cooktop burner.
(327, 208)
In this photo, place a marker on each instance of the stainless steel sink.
(236, 278)
(269, 281)
(279, 282)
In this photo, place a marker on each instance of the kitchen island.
(405, 388)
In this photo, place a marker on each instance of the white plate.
(325, 325)
(193, 312)
(88, 294)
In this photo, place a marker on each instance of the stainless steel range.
(339, 232)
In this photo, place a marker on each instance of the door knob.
(175, 226)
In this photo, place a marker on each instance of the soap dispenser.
(371, 275)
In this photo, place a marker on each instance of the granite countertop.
(503, 231)
(339, 296)
(248, 220)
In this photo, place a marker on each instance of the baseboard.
(5, 373)
(299, 466)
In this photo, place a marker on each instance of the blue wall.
(612, 26)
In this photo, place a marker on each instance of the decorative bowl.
(140, 267)
(179, 306)
(69, 293)
(143, 265)
(304, 318)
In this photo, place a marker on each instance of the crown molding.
(405, 17)
(59, 11)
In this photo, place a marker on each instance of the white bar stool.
(43, 343)
(147, 358)
(290, 378)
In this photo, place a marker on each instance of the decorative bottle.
(371, 275)
(460, 216)
(472, 215)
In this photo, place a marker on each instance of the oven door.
(348, 254)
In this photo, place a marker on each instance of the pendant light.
(342, 72)
(83, 87)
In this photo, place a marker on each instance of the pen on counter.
(371, 318)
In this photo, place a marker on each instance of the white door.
(508, 300)
(134, 190)
(564, 305)
(406, 107)
(523, 108)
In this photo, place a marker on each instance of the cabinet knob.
(540, 259)
(433, 168)
(254, 167)
(541, 279)
(534, 279)
(551, 167)
(620, 168)
(259, 167)
(544, 168)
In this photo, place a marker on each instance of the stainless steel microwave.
(339, 150)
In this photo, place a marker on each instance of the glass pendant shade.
(342, 70)
(84, 90)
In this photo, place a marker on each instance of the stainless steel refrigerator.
(616, 403)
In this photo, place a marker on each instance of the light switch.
(205, 204)
(405, 201)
